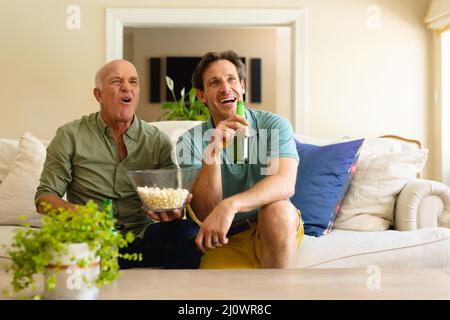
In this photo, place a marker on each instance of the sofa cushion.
(423, 248)
(6, 239)
(370, 145)
(369, 202)
(19, 187)
(323, 176)
(8, 151)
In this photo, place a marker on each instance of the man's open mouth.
(228, 100)
(126, 100)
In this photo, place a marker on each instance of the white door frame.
(445, 107)
(117, 19)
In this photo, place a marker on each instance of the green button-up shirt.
(83, 161)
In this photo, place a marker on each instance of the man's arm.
(281, 171)
(276, 187)
(279, 186)
(207, 190)
(56, 174)
(54, 201)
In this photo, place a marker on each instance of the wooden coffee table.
(270, 284)
(279, 284)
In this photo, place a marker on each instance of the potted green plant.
(178, 110)
(77, 251)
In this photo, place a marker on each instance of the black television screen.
(180, 70)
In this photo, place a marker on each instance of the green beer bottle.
(107, 206)
(240, 140)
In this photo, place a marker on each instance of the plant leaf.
(178, 108)
(192, 96)
(183, 110)
(167, 105)
(202, 117)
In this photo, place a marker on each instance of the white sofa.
(419, 238)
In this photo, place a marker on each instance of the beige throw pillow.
(8, 152)
(369, 202)
(19, 187)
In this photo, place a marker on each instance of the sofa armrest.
(422, 204)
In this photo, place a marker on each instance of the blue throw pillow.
(323, 177)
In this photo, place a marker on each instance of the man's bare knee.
(280, 214)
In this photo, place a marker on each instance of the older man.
(89, 158)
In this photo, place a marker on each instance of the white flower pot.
(70, 279)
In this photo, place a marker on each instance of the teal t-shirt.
(271, 137)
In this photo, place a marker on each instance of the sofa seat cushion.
(423, 248)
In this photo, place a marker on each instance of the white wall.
(360, 82)
(445, 105)
(367, 82)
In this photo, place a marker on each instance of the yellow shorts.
(243, 250)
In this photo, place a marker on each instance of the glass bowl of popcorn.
(164, 189)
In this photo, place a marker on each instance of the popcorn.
(165, 198)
